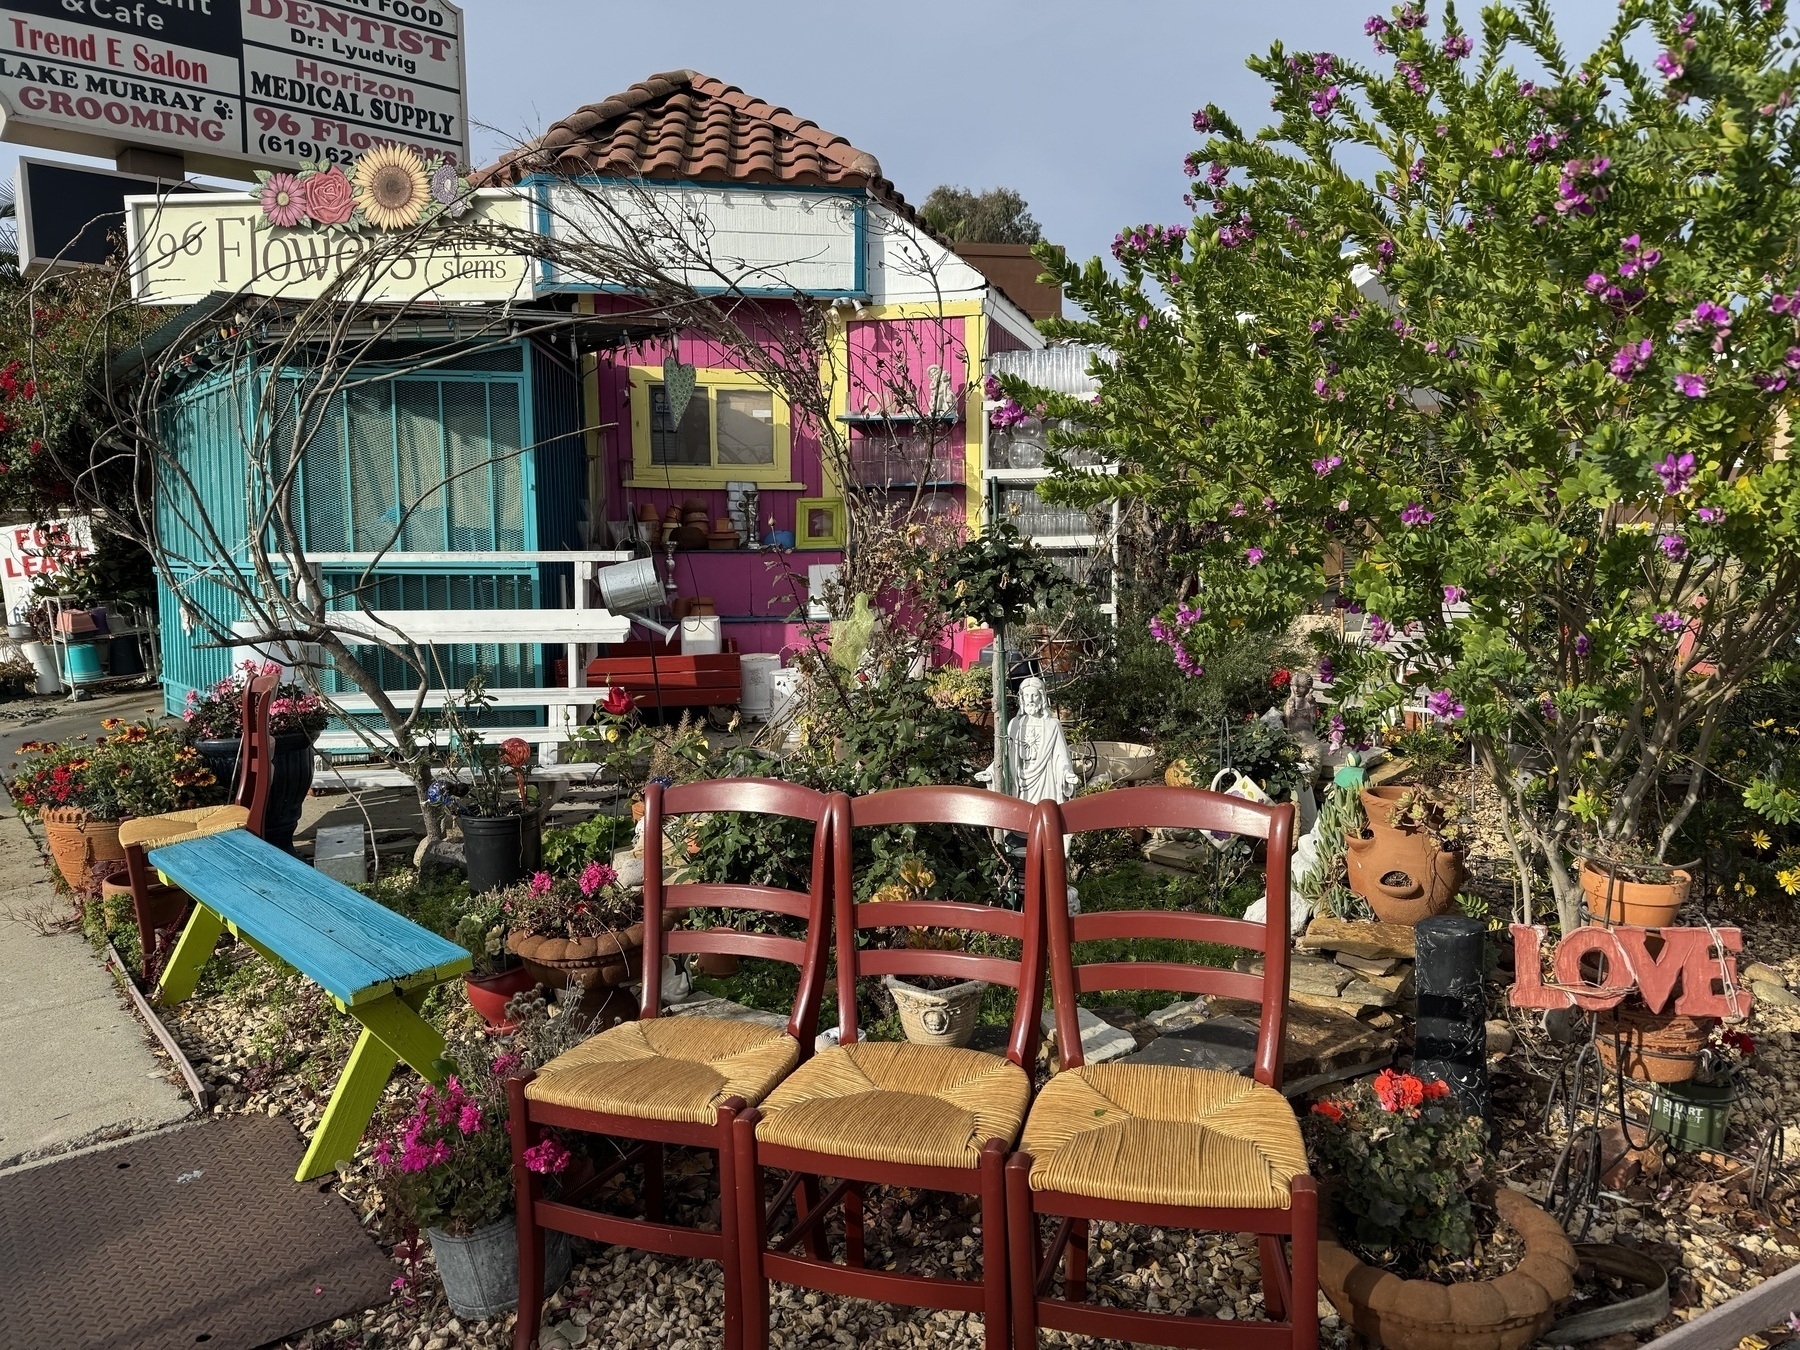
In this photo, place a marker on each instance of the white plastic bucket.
(631, 586)
(784, 694)
(759, 670)
(700, 635)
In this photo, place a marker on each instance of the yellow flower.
(1790, 880)
(391, 187)
(1760, 840)
(612, 733)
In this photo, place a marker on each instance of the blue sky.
(1082, 106)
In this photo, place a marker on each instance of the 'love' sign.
(1653, 960)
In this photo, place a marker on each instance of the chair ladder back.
(661, 900)
(945, 805)
(256, 750)
(1171, 808)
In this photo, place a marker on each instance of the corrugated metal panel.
(559, 465)
(188, 666)
(1062, 369)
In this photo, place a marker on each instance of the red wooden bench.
(662, 675)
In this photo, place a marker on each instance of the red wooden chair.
(1164, 1145)
(896, 1114)
(677, 1080)
(159, 907)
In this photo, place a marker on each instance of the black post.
(1451, 1041)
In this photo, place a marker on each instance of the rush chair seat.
(867, 1113)
(678, 1080)
(247, 810)
(1163, 1145)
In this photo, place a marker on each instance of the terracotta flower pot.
(1505, 1313)
(1403, 874)
(78, 841)
(1655, 1047)
(1642, 904)
(168, 905)
(599, 967)
(719, 965)
(489, 995)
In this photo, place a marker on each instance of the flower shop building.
(458, 467)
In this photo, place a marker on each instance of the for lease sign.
(234, 82)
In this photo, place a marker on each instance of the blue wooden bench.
(376, 965)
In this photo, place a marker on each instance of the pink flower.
(1671, 68)
(282, 200)
(1326, 465)
(1324, 101)
(1675, 473)
(541, 883)
(1631, 358)
(1380, 630)
(594, 876)
(1669, 621)
(330, 200)
(547, 1157)
(1690, 385)
(1253, 556)
(1674, 546)
(469, 1121)
(1416, 515)
(1443, 704)
(1454, 595)
(505, 1063)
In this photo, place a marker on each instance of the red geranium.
(1281, 678)
(1330, 1110)
(1398, 1091)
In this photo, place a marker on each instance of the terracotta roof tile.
(682, 125)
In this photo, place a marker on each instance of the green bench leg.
(392, 1031)
(190, 956)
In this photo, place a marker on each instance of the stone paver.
(75, 1062)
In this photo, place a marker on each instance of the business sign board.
(71, 216)
(751, 240)
(30, 552)
(184, 249)
(230, 83)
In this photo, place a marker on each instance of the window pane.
(469, 496)
(509, 471)
(421, 435)
(746, 426)
(691, 443)
(374, 512)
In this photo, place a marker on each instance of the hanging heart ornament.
(678, 385)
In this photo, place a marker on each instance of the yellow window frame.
(777, 476)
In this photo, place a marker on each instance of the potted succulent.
(83, 790)
(215, 727)
(1408, 864)
(1417, 1251)
(1696, 1114)
(934, 1010)
(497, 974)
(444, 1167)
(586, 934)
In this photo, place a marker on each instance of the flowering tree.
(1518, 344)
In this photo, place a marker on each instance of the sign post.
(228, 84)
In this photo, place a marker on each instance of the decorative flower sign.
(391, 187)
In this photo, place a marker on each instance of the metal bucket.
(631, 586)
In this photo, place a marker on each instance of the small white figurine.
(1038, 766)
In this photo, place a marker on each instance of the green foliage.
(996, 216)
(1128, 884)
(434, 900)
(970, 690)
(1327, 887)
(997, 576)
(569, 848)
(136, 769)
(1407, 1159)
(1535, 366)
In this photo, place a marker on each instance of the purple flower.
(1216, 174)
(1710, 515)
(1596, 282)
(1675, 473)
(1378, 28)
(1413, 16)
(1380, 630)
(1582, 644)
(1669, 621)
(990, 387)
(1773, 383)
(1690, 385)
(1238, 508)
(1443, 704)
(1454, 595)
(1385, 248)
(1324, 101)
(1008, 414)
(1791, 359)
(1327, 671)
(1631, 358)
(1457, 46)
(1717, 315)
(1203, 121)
(1322, 467)
(1410, 73)
(1674, 546)
(1415, 515)
(1687, 23)
(1143, 321)
(1253, 556)
(1671, 67)
(1547, 709)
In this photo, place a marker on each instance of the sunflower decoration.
(392, 190)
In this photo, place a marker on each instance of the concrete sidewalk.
(76, 1064)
